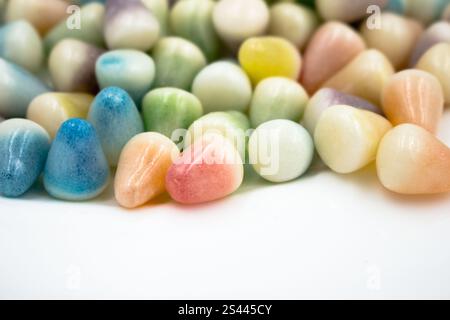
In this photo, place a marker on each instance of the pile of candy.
(181, 96)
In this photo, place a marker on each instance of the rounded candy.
(280, 150)
(76, 167)
(142, 169)
(160, 9)
(347, 10)
(23, 150)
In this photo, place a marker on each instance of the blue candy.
(76, 167)
(24, 147)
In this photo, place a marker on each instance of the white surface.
(323, 236)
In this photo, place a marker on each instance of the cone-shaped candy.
(436, 33)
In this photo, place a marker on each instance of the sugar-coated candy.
(160, 9)
(131, 70)
(130, 25)
(437, 62)
(72, 72)
(192, 19)
(347, 10)
(237, 20)
(365, 76)
(142, 169)
(23, 150)
(293, 22)
(330, 49)
(264, 57)
(208, 170)
(414, 96)
(177, 63)
(92, 17)
(347, 138)
(116, 120)
(51, 109)
(44, 15)
(280, 150)
(413, 161)
(223, 86)
(17, 88)
(168, 109)
(277, 98)
(76, 167)
(396, 37)
(21, 44)
(325, 98)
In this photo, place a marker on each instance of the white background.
(323, 236)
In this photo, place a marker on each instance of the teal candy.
(116, 119)
(24, 147)
(76, 167)
(398, 6)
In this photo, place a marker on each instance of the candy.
(44, 15)
(425, 11)
(237, 20)
(116, 119)
(223, 86)
(130, 25)
(412, 161)
(131, 70)
(51, 109)
(208, 170)
(21, 44)
(74, 72)
(23, 150)
(347, 138)
(414, 96)
(160, 9)
(365, 76)
(264, 57)
(166, 110)
(277, 98)
(347, 10)
(17, 89)
(293, 22)
(396, 37)
(437, 62)
(177, 63)
(325, 98)
(142, 169)
(331, 48)
(192, 19)
(91, 21)
(446, 14)
(76, 167)
(280, 150)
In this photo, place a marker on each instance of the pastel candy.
(396, 37)
(277, 98)
(17, 88)
(116, 120)
(425, 11)
(331, 48)
(437, 62)
(223, 86)
(51, 109)
(347, 10)
(76, 167)
(414, 96)
(436, 33)
(74, 72)
(160, 9)
(131, 70)
(347, 138)
(130, 25)
(412, 161)
(23, 150)
(177, 63)
(192, 19)
(264, 57)
(326, 98)
(365, 76)
(446, 14)
(280, 150)
(21, 44)
(209, 170)
(166, 110)
(142, 169)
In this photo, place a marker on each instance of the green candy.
(160, 9)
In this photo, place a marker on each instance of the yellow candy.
(264, 57)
